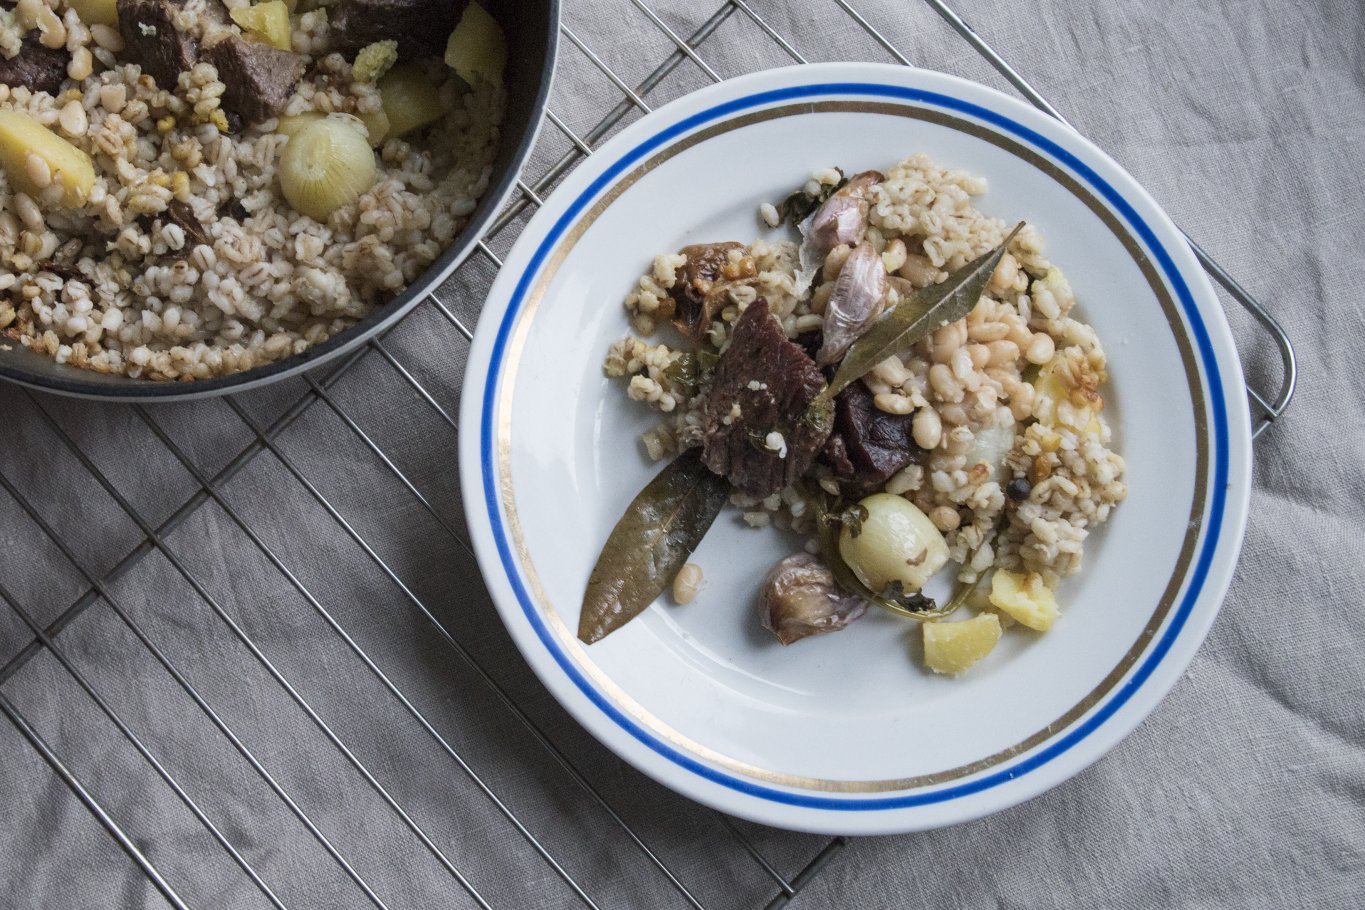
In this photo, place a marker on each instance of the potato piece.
(66, 165)
(477, 49)
(1049, 390)
(267, 22)
(376, 125)
(1066, 394)
(952, 647)
(96, 12)
(410, 100)
(1025, 598)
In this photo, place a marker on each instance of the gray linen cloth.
(1246, 788)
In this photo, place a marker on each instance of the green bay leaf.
(915, 317)
(650, 543)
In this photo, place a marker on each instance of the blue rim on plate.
(1103, 189)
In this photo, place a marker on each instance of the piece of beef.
(810, 343)
(868, 445)
(694, 304)
(151, 39)
(835, 455)
(421, 27)
(36, 67)
(762, 384)
(259, 79)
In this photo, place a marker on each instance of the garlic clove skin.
(799, 598)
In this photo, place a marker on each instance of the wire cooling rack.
(766, 869)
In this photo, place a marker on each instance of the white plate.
(846, 733)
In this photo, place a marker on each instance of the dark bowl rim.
(490, 206)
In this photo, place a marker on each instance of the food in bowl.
(192, 188)
(907, 386)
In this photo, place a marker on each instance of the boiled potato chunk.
(1025, 598)
(410, 99)
(96, 12)
(896, 543)
(477, 49)
(376, 125)
(267, 22)
(66, 166)
(1052, 401)
(1050, 389)
(952, 647)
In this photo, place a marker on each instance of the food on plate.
(905, 386)
(663, 524)
(892, 543)
(952, 648)
(687, 583)
(800, 597)
(192, 188)
(1024, 598)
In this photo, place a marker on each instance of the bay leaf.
(650, 543)
(915, 317)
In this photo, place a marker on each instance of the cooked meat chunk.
(152, 40)
(694, 304)
(421, 27)
(36, 67)
(259, 79)
(868, 445)
(757, 434)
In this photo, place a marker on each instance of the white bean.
(1003, 353)
(927, 428)
(980, 355)
(893, 404)
(1040, 349)
(687, 583)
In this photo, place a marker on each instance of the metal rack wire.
(43, 634)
